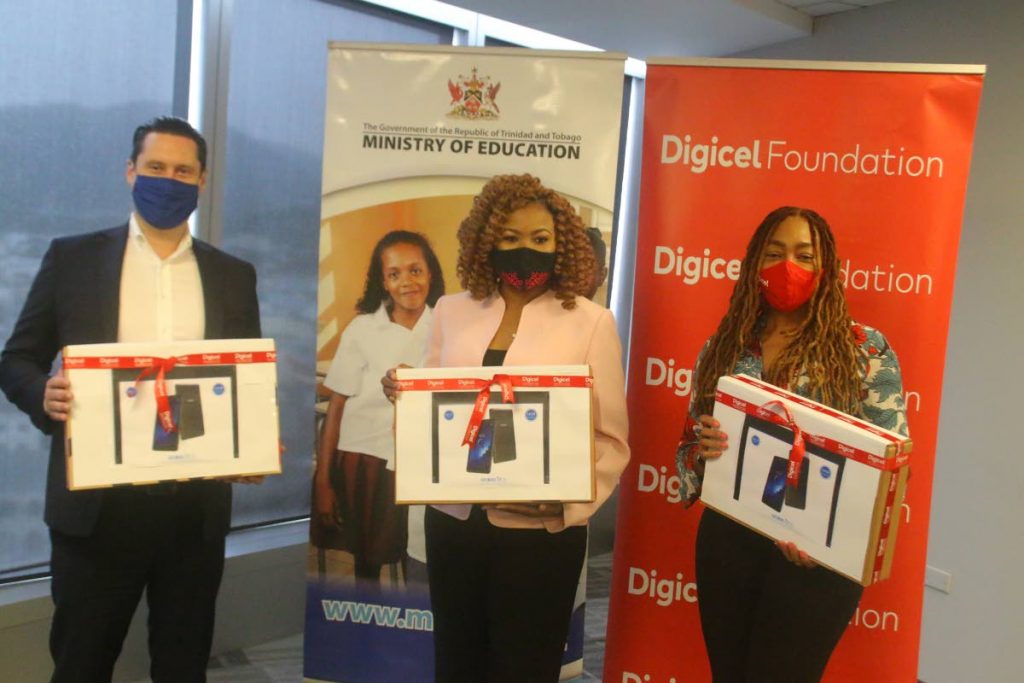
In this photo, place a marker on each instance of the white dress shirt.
(161, 299)
(370, 345)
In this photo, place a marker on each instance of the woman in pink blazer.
(503, 577)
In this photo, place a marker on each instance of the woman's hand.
(535, 510)
(389, 382)
(711, 440)
(795, 555)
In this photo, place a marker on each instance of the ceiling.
(683, 28)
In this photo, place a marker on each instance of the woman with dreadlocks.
(767, 612)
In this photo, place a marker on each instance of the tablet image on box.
(480, 452)
(504, 449)
(512, 443)
(164, 440)
(204, 407)
(760, 485)
(191, 399)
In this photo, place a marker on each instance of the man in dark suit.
(147, 280)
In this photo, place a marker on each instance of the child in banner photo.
(767, 612)
(354, 484)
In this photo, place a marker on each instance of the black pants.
(502, 598)
(146, 538)
(764, 618)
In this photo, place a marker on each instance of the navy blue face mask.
(164, 203)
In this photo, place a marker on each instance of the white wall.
(975, 633)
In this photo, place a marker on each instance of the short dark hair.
(171, 125)
(374, 293)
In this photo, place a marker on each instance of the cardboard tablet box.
(841, 505)
(219, 418)
(532, 438)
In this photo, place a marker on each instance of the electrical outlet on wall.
(938, 579)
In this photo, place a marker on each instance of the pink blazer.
(548, 335)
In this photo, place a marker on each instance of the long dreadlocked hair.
(822, 347)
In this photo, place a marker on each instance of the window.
(75, 80)
(271, 206)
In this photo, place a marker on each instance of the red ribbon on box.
(507, 383)
(155, 365)
(824, 410)
(838, 447)
(163, 405)
(798, 450)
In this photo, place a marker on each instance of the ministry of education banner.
(882, 152)
(411, 135)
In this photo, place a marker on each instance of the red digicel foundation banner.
(882, 152)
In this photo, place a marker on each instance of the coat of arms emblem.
(474, 97)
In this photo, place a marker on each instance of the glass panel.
(272, 196)
(490, 41)
(76, 79)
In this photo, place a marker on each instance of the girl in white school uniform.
(354, 484)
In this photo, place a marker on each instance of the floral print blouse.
(882, 392)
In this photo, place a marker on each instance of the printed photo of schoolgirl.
(354, 483)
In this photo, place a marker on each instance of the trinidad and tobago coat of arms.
(474, 97)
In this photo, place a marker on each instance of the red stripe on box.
(483, 399)
(887, 525)
(800, 400)
(518, 381)
(194, 359)
(857, 455)
(159, 367)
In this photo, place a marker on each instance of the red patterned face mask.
(523, 268)
(787, 286)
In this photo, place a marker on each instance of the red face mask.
(787, 286)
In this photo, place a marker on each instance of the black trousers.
(146, 538)
(502, 598)
(765, 619)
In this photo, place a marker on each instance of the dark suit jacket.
(75, 299)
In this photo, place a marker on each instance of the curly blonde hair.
(481, 229)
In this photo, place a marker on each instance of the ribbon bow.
(160, 367)
(784, 418)
(483, 399)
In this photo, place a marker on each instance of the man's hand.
(57, 398)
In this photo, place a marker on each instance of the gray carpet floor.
(281, 661)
